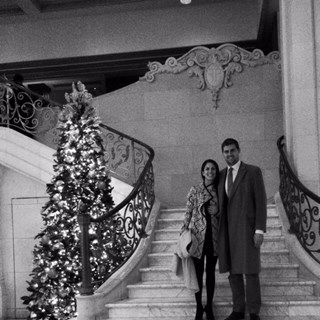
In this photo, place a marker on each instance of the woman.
(202, 216)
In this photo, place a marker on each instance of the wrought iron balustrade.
(132, 214)
(27, 112)
(301, 206)
(127, 158)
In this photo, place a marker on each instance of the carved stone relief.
(213, 67)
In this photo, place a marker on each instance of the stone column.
(300, 50)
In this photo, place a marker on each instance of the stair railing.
(133, 212)
(301, 206)
(28, 112)
(128, 159)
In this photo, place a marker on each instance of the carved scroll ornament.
(213, 67)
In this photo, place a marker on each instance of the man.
(242, 202)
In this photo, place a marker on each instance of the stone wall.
(177, 119)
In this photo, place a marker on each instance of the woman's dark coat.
(240, 215)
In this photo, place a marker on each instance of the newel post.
(84, 221)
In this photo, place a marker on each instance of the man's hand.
(258, 239)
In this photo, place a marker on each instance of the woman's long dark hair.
(216, 179)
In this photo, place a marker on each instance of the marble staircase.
(162, 295)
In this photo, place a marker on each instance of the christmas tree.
(80, 185)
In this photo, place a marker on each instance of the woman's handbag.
(186, 246)
(182, 262)
(187, 243)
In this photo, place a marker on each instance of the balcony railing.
(301, 206)
(128, 159)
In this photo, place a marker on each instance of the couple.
(227, 216)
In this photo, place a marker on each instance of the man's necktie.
(230, 181)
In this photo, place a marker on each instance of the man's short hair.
(229, 142)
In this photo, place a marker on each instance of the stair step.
(273, 221)
(175, 213)
(267, 257)
(273, 307)
(169, 246)
(178, 213)
(173, 233)
(272, 287)
(267, 271)
(171, 223)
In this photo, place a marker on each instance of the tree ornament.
(101, 185)
(43, 278)
(74, 132)
(92, 165)
(91, 174)
(64, 292)
(57, 197)
(59, 185)
(62, 252)
(69, 159)
(58, 246)
(69, 152)
(45, 239)
(61, 204)
(59, 182)
(82, 206)
(53, 274)
(102, 269)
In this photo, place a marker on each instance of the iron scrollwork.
(126, 158)
(131, 218)
(301, 206)
(213, 67)
(28, 112)
(118, 152)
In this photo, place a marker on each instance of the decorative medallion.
(213, 67)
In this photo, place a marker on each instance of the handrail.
(135, 190)
(127, 158)
(131, 215)
(28, 112)
(301, 206)
(4, 81)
